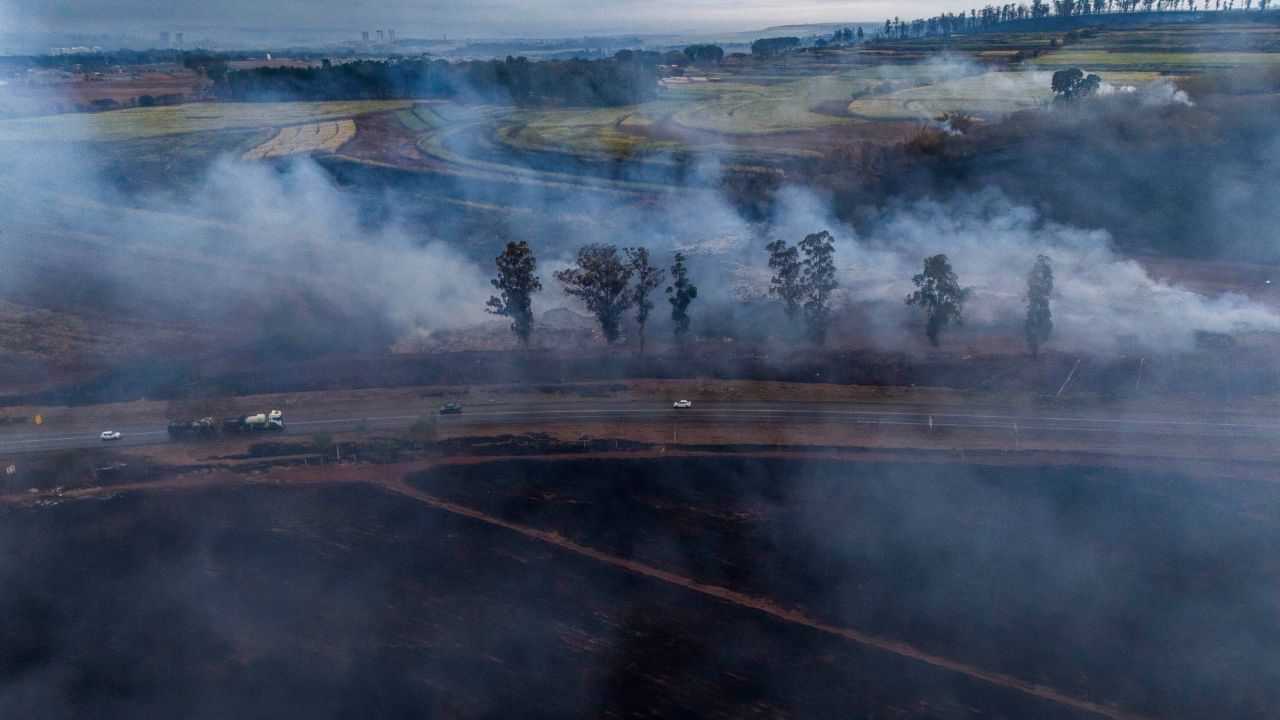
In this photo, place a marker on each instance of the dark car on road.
(451, 409)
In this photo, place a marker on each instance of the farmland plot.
(313, 137)
(136, 123)
(988, 94)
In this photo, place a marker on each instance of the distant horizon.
(249, 39)
(503, 19)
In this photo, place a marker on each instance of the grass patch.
(1154, 61)
(312, 137)
(988, 94)
(136, 123)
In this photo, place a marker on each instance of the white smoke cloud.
(1153, 94)
(1102, 302)
(300, 221)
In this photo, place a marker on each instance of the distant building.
(391, 35)
(381, 37)
(180, 40)
(364, 37)
(164, 39)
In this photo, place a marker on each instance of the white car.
(682, 404)
(110, 435)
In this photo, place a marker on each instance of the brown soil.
(66, 93)
(381, 138)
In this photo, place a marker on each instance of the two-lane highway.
(855, 416)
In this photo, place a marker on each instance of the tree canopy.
(938, 291)
(704, 54)
(1073, 84)
(681, 293)
(648, 278)
(785, 284)
(817, 281)
(516, 282)
(622, 80)
(1039, 323)
(600, 280)
(768, 47)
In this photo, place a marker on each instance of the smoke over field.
(258, 235)
(368, 266)
(850, 457)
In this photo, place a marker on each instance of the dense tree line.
(609, 282)
(840, 38)
(704, 54)
(629, 77)
(991, 16)
(769, 47)
(194, 59)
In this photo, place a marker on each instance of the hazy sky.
(432, 17)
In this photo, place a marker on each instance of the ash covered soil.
(1151, 594)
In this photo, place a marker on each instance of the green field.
(1156, 62)
(1171, 49)
(138, 123)
(603, 133)
(988, 94)
(745, 113)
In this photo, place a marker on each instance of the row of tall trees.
(609, 282)
(606, 281)
(804, 279)
(841, 38)
(989, 16)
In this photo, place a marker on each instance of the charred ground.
(344, 603)
(338, 601)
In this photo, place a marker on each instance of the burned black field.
(1147, 594)
(1150, 592)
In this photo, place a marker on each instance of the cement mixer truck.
(262, 422)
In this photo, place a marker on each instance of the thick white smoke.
(300, 222)
(1153, 94)
(1102, 302)
(254, 229)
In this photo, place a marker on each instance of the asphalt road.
(32, 439)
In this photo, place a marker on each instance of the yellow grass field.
(313, 137)
(137, 123)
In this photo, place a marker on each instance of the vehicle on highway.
(681, 404)
(205, 427)
(108, 435)
(451, 409)
(262, 422)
